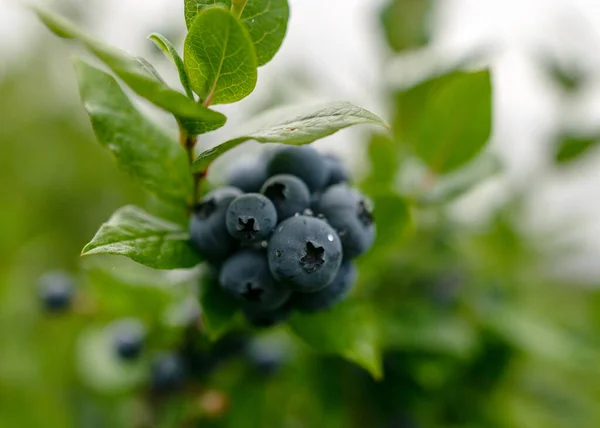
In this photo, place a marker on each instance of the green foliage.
(167, 47)
(148, 240)
(405, 23)
(571, 148)
(265, 20)
(219, 58)
(349, 329)
(295, 126)
(460, 105)
(140, 148)
(219, 310)
(135, 74)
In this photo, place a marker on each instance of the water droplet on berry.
(330, 237)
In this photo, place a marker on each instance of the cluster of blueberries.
(282, 234)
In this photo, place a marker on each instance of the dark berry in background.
(167, 372)
(56, 291)
(350, 214)
(251, 218)
(288, 193)
(246, 276)
(208, 227)
(262, 318)
(128, 338)
(266, 356)
(302, 161)
(305, 254)
(249, 177)
(330, 295)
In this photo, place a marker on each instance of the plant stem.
(237, 7)
(188, 142)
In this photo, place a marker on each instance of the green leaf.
(151, 241)
(265, 20)
(349, 329)
(140, 148)
(135, 74)
(572, 147)
(458, 183)
(295, 126)
(446, 120)
(405, 23)
(167, 47)
(218, 309)
(219, 58)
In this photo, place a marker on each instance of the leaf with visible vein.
(149, 240)
(219, 58)
(296, 126)
(139, 146)
(349, 329)
(167, 47)
(266, 21)
(135, 74)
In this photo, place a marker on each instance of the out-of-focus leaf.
(167, 47)
(405, 23)
(218, 309)
(446, 120)
(135, 74)
(384, 156)
(295, 126)
(145, 239)
(349, 329)
(219, 57)
(571, 148)
(456, 184)
(140, 148)
(265, 20)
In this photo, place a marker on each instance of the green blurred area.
(474, 332)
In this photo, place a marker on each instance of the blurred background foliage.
(475, 332)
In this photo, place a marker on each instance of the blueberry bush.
(292, 291)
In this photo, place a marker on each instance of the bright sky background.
(338, 43)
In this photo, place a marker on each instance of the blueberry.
(251, 218)
(246, 276)
(249, 177)
(128, 338)
(56, 291)
(302, 161)
(330, 295)
(266, 356)
(337, 172)
(305, 254)
(261, 318)
(208, 228)
(350, 213)
(288, 193)
(167, 372)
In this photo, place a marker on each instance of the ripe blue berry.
(251, 218)
(246, 276)
(330, 295)
(337, 172)
(305, 254)
(56, 291)
(128, 338)
(167, 372)
(208, 228)
(288, 193)
(250, 177)
(350, 213)
(302, 161)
